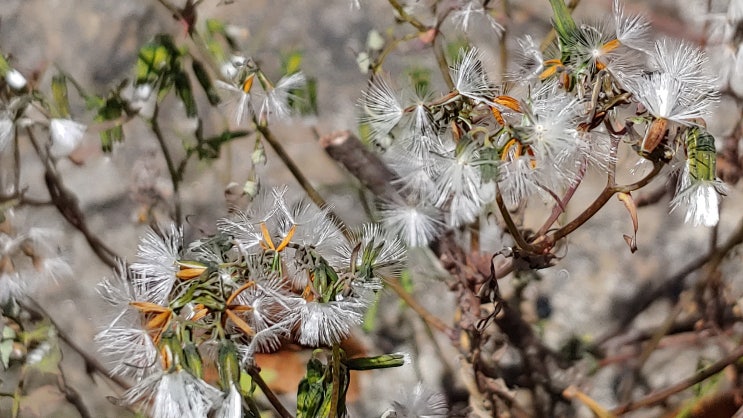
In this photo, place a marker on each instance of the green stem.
(336, 369)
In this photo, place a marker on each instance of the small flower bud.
(15, 79)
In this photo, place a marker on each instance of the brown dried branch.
(67, 205)
(662, 395)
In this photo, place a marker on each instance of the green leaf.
(563, 22)
(152, 62)
(6, 348)
(489, 164)
(59, 92)
(229, 365)
(208, 149)
(111, 110)
(246, 383)
(184, 92)
(383, 361)
(291, 62)
(370, 318)
(311, 393)
(206, 82)
(50, 356)
(4, 66)
(316, 388)
(420, 78)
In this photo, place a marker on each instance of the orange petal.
(497, 115)
(287, 238)
(148, 307)
(244, 327)
(267, 236)
(510, 144)
(159, 321)
(508, 102)
(190, 273)
(549, 72)
(238, 291)
(248, 83)
(198, 314)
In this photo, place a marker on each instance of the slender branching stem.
(91, 363)
(601, 200)
(427, 316)
(510, 224)
(68, 206)
(336, 370)
(559, 208)
(175, 178)
(406, 17)
(300, 177)
(272, 398)
(662, 395)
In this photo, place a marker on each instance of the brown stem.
(299, 176)
(406, 17)
(427, 317)
(91, 363)
(67, 205)
(336, 378)
(511, 225)
(272, 399)
(662, 395)
(601, 200)
(175, 179)
(438, 50)
(559, 208)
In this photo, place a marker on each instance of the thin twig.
(511, 225)
(601, 200)
(336, 379)
(428, 317)
(559, 207)
(175, 178)
(67, 205)
(275, 402)
(91, 363)
(662, 395)
(72, 395)
(300, 177)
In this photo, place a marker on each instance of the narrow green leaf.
(205, 81)
(184, 92)
(209, 148)
(304, 100)
(6, 348)
(383, 361)
(61, 99)
(152, 62)
(111, 110)
(291, 62)
(563, 22)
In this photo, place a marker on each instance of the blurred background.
(583, 296)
